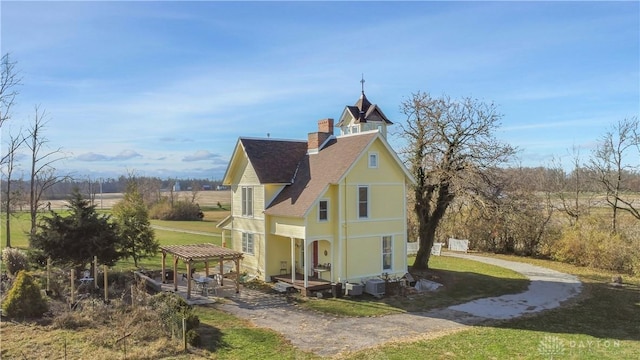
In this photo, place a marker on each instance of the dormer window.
(373, 160)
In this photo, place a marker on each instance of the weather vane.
(362, 83)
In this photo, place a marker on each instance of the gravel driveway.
(328, 335)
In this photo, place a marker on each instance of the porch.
(313, 283)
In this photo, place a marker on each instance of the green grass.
(464, 281)
(601, 324)
(20, 225)
(227, 337)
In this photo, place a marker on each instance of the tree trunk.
(429, 223)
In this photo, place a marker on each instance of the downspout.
(406, 234)
(346, 232)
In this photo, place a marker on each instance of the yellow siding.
(287, 227)
(362, 238)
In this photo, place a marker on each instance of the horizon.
(165, 89)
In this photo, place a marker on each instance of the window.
(247, 201)
(354, 129)
(387, 252)
(363, 202)
(247, 243)
(323, 210)
(373, 160)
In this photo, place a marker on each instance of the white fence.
(458, 245)
(412, 248)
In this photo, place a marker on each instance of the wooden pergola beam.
(200, 252)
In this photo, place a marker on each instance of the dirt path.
(328, 335)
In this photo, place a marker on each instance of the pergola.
(199, 252)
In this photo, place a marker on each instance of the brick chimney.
(315, 139)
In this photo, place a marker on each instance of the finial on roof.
(362, 83)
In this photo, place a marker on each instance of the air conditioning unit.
(353, 289)
(375, 287)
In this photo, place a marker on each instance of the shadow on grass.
(211, 338)
(458, 287)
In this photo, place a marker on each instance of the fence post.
(184, 333)
(95, 272)
(106, 285)
(48, 275)
(73, 278)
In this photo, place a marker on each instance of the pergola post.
(188, 279)
(237, 261)
(221, 269)
(164, 257)
(175, 273)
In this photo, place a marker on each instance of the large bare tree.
(616, 157)
(451, 149)
(43, 173)
(9, 81)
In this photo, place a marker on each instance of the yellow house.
(329, 209)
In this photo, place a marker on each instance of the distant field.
(204, 198)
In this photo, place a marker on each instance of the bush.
(15, 260)
(193, 338)
(24, 299)
(590, 243)
(172, 309)
(181, 210)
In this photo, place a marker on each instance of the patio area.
(205, 253)
(214, 293)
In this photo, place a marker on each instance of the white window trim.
(383, 253)
(374, 154)
(245, 247)
(328, 210)
(246, 210)
(368, 202)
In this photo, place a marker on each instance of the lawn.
(602, 323)
(463, 280)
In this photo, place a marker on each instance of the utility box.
(353, 289)
(375, 287)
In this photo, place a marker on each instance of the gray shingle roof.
(275, 161)
(316, 172)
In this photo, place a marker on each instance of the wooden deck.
(315, 284)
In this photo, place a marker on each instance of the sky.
(164, 89)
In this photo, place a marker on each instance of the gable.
(335, 161)
(273, 161)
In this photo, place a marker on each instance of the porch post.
(293, 260)
(306, 264)
(224, 240)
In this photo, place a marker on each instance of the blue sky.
(166, 88)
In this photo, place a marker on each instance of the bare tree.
(609, 164)
(451, 149)
(571, 189)
(43, 174)
(9, 80)
(195, 190)
(8, 166)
